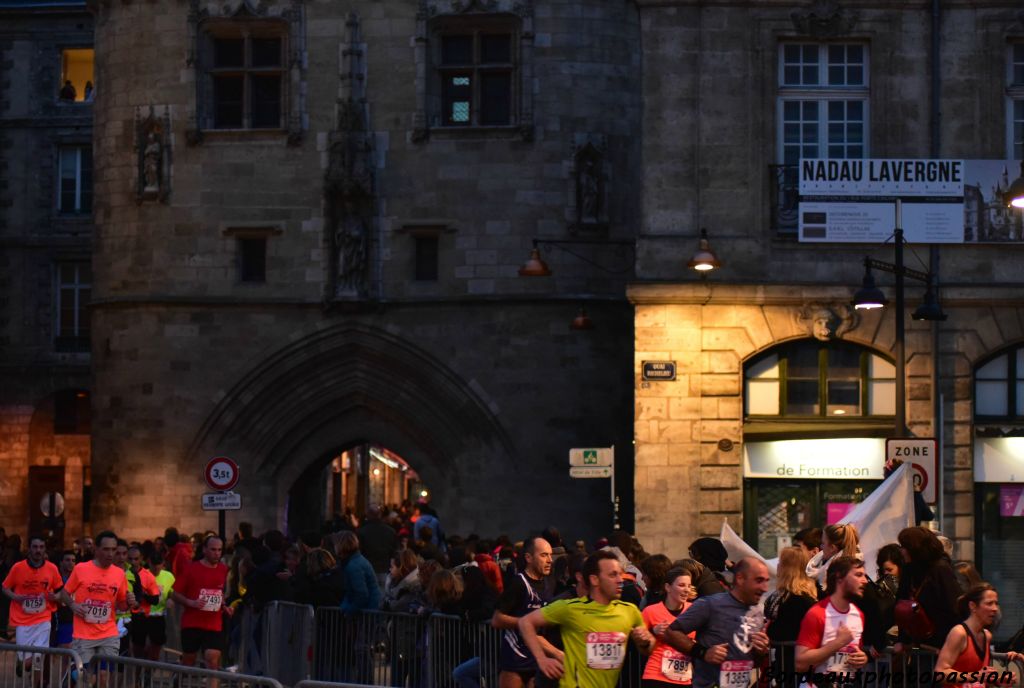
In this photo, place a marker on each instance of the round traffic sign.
(221, 473)
(920, 477)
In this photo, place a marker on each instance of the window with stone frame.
(1015, 102)
(822, 101)
(74, 179)
(243, 75)
(811, 378)
(73, 292)
(475, 64)
(999, 386)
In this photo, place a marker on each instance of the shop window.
(1015, 102)
(74, 191)
(476, 67)
(76, 76)
(999, 386)
(244, 84)
(812, 378)
(74, 289)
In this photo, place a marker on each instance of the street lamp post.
(869, 297)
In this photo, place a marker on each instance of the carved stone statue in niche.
(828, 321)
(153, 150)
(590, 187)
(350, 242)
(151, 157)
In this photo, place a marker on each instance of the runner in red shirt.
(31, 585)
(831, 635)
(966, 656)
(200, 592)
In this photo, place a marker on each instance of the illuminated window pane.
(882, 398)
(763, 397)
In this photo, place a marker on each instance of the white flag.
(881, 517)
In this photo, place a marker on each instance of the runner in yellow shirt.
(595, 629)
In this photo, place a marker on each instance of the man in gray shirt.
(729, 628)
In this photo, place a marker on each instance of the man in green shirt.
(595, 629)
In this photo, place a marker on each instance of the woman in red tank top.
(966, 654)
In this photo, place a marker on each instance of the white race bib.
(606, 650)
(838, 663)
(736, 673)
(33, 605)
(675, 666)
(96, 611)
(211, 599)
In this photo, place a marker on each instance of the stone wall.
(193, 361)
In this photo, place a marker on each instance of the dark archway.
(341, 385)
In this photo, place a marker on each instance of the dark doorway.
(46, 503)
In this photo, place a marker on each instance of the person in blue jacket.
(361, 590)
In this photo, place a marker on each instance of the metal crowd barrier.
(127, 672)
(50, 668)
(287, 639)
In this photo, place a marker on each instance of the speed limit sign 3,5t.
(221, 473)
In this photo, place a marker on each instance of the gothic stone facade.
(714, 124)
(310, 219)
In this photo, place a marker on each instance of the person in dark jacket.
(711, 553)
(377, 540)
(361, 590)
(322, 584)
(784, 609)
(928, 578)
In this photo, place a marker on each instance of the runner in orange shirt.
(95, 591)
(32, 585)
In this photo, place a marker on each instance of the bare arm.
(806, 657)
(182, 600)
(678, 640)
(956, 643)
(15, 597)
(528, 627)
(504, 622)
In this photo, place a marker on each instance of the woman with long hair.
(928, 580)
(667, 666)
(784, 609)
(968, 645)
(840, 540)
(402, 586)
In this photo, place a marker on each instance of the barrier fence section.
(50, 668)
(287, 639)
(127, 672)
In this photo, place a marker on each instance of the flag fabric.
(881, 517)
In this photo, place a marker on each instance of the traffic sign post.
(922, 453)
(596, 462)
(221, 474)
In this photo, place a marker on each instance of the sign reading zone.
(923, 456)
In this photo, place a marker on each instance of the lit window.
(476, 69)
(811, 378)
(76, 76)
(74, 289)
(75, 189)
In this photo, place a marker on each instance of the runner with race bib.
(95, 592)
(831, 635)
(668, 666)
(728, 628)
(31, 585)
(595, 629)
(200, 591)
